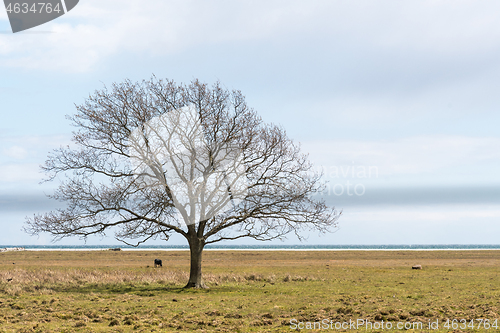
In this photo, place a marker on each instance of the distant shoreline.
(452, 247)
(276, 250)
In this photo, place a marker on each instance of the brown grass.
(250, 291)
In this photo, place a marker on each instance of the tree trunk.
(196, 249)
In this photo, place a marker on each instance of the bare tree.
(155, 157)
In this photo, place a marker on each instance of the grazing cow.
(158, 263)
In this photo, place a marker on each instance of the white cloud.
(16, 152)
(23, 155)
(98, 30)
(26, 172)
(20, 147)
(425, 214)
(410, 156)
(417, 224)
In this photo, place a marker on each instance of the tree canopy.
(155, 157)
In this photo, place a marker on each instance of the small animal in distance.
(158, 263)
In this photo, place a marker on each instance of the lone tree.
(156, 157)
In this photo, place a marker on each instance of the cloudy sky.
(397, 102)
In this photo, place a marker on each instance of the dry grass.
(251, 291)
(43, 281)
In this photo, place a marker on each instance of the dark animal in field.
(158, 263)
(417, 267)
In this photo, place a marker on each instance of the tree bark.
(196, 248)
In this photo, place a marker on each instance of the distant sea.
(264, 247)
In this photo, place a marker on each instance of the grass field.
(250, 291)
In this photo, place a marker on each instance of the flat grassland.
(249, 291)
